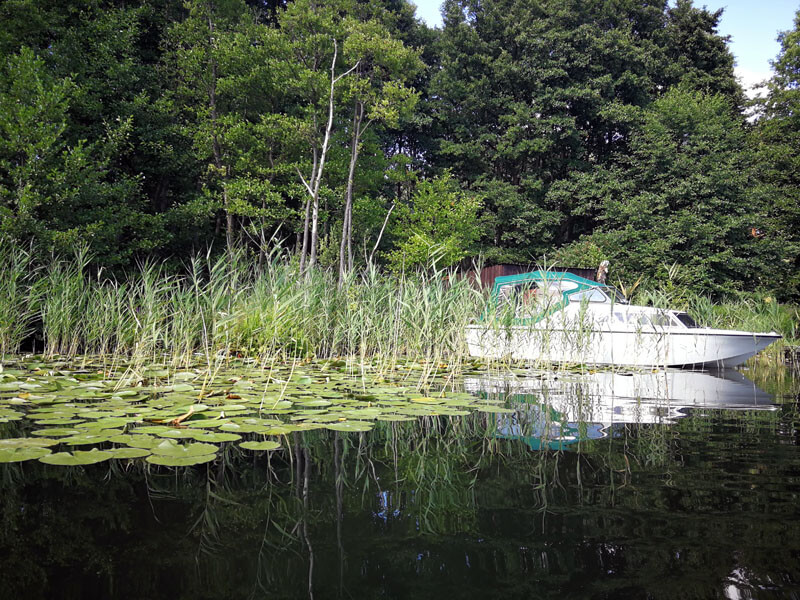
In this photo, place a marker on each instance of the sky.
(753, 26)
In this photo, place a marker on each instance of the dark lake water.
(676, 485)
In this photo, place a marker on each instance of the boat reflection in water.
(556, 410)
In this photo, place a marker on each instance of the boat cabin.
(531, 297)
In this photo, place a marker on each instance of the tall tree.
(57, 191)
(316, 36)
(777, 146)
(682, 196)
(533, 97)
(227, 66)
(378, 94)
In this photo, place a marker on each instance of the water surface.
(594, 485)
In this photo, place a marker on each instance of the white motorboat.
(558, 317)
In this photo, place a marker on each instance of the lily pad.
(12, 455)
(83, 439)
(27, 443)
(122, 453)
(55, 432)
(396, 418)
(182, 387)
(349, 426)
(77, 458)
(135, 440)
(172, 448)
(177, 434)
(428, 400)
(267, 445)
(202, 436)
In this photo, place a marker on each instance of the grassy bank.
(222, 307)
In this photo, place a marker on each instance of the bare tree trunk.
(306, 222)
(346, 245)
(313, 186)
(216, 147)
(380, 234)
(304, 250)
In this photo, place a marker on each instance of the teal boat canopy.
(531, 297)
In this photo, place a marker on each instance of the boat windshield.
(686, 320)
(615, 295)
(591, 295)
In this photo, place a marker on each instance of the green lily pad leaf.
(172, 448)
(452, 412)
(55, 432)
(205, 423)
(73, 459)
(177, 434)
(96, 414)
(457, 402)
(58, 421)
(27, 443)
(317, 418)
(396, 418)
(274, 405)
(112, 422)
(277, 430)
(318, 402)
(19, 401)
(415, 411)
(349, 426)
(153, 372)
(428, 400)
(182, 387)
(12, 455)
(121, 453)
(268, 445)
(180, 461)
(135, 440)
(256, 421)
(84, 439)
(153, 429)
(202, 436)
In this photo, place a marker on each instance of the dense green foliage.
(349, 132)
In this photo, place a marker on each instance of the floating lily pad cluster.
(66, 416)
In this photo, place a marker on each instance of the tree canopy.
(349, 132)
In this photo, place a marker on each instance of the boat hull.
(705, 348)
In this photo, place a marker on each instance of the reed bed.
(220, 307)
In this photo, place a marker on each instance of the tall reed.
(218, 307)
(18, 296)
(229, 305)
